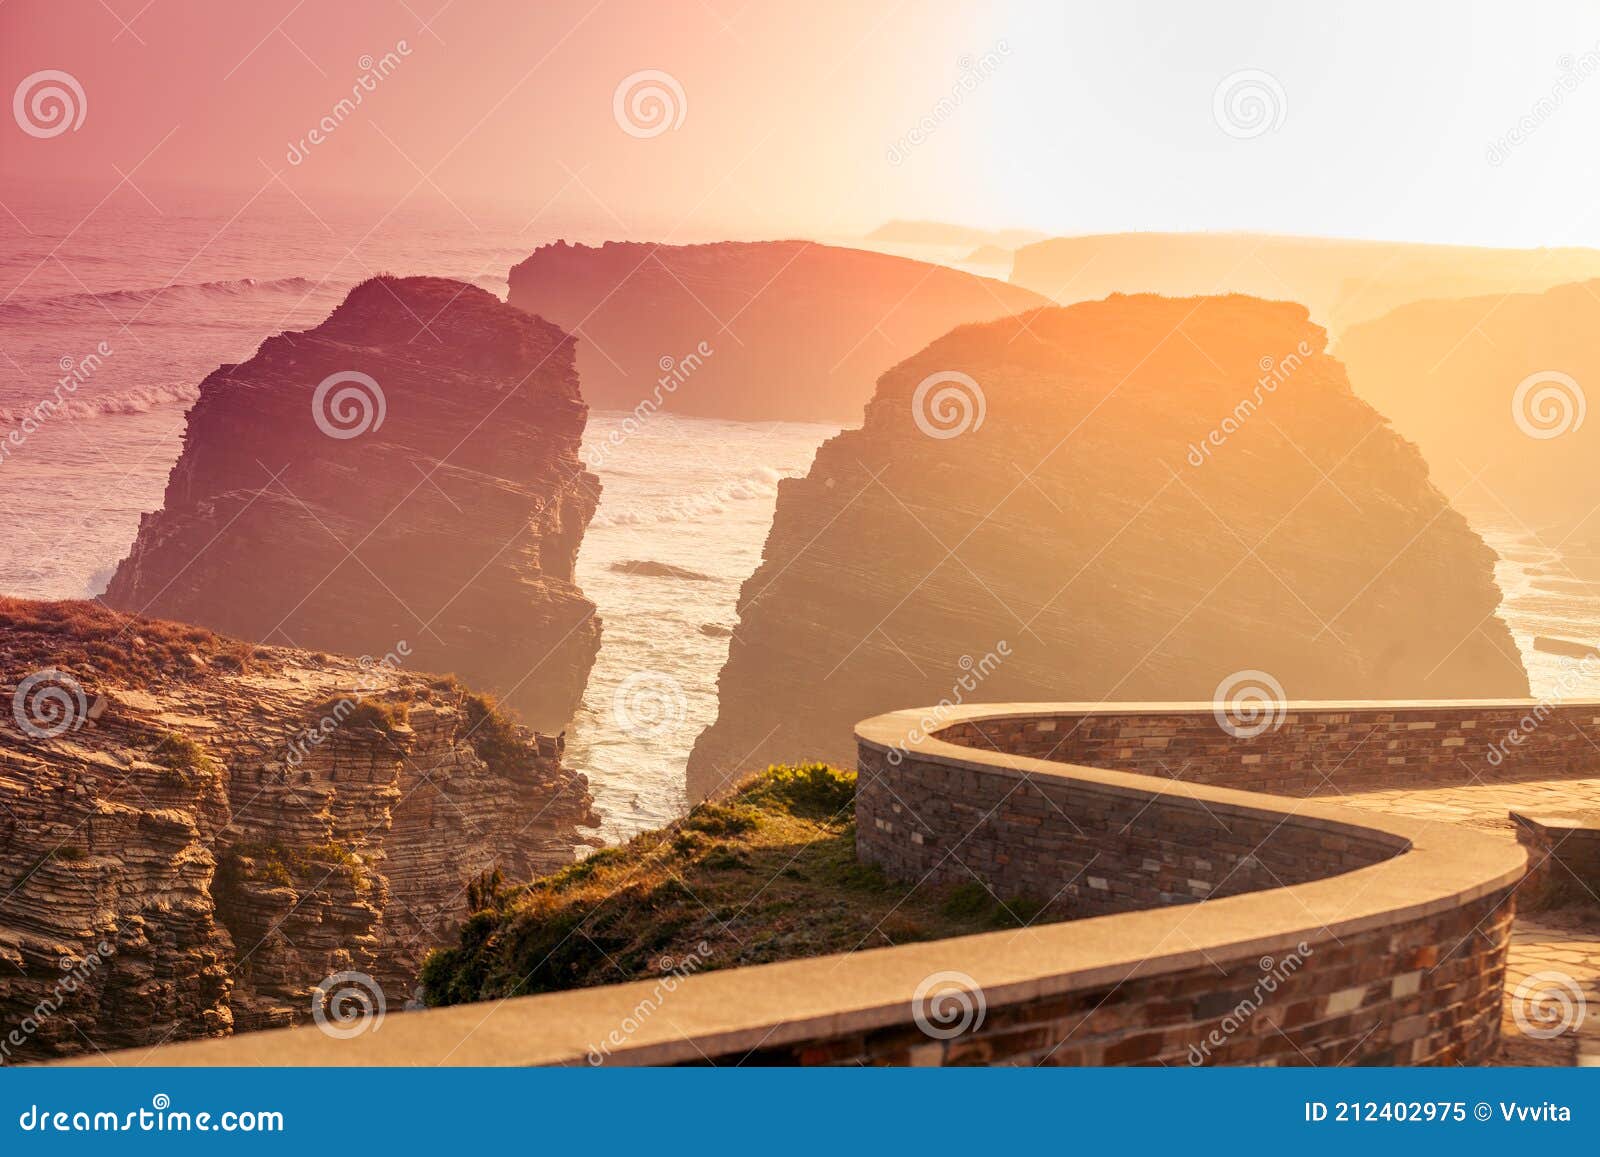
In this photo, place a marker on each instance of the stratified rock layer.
(1495, 391)
(215, 828)
(747, 330)
(451, 519)
(1129, 514)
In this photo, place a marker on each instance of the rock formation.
(1134, 499)
(195, 832)
(1495, 392)
(1340, 281)
(407, 470)
(747, 330)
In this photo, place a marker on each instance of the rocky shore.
(196, 832)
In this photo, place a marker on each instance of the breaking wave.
(73, 304)
(761, 482)
(137, 401)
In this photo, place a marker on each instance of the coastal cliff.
(1140, 498)
(750, 331)
(407, 470)
(1340, 281)
(1493, 390)
(195, 832)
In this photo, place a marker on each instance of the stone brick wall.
(1309, 750)
(1563, 858)
(1084, 848)
(1427, 992)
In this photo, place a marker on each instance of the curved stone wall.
(1223, 926)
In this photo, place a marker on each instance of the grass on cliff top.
(81, 637)
(769, 873)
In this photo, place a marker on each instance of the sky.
(1451, 122)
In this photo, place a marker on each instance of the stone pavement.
(1552, 1009)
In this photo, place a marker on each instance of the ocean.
(137, 305)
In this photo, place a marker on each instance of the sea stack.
(201, 831)
(1140, 498)
(406, 471)
(748, 331)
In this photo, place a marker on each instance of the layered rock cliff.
(196, 832)
(1138, 498)
(747, 330)
(407, 470)
(1495, 391)
(1340, 281)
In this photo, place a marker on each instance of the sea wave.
(187, 293)
(136, 401)
(761, 482)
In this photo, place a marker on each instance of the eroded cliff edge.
(195, 831)
(1137, 498)
(407, 470)
(747, 330)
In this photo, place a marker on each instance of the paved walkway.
(1552, 1009)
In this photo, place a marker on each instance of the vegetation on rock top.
(767, 873)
